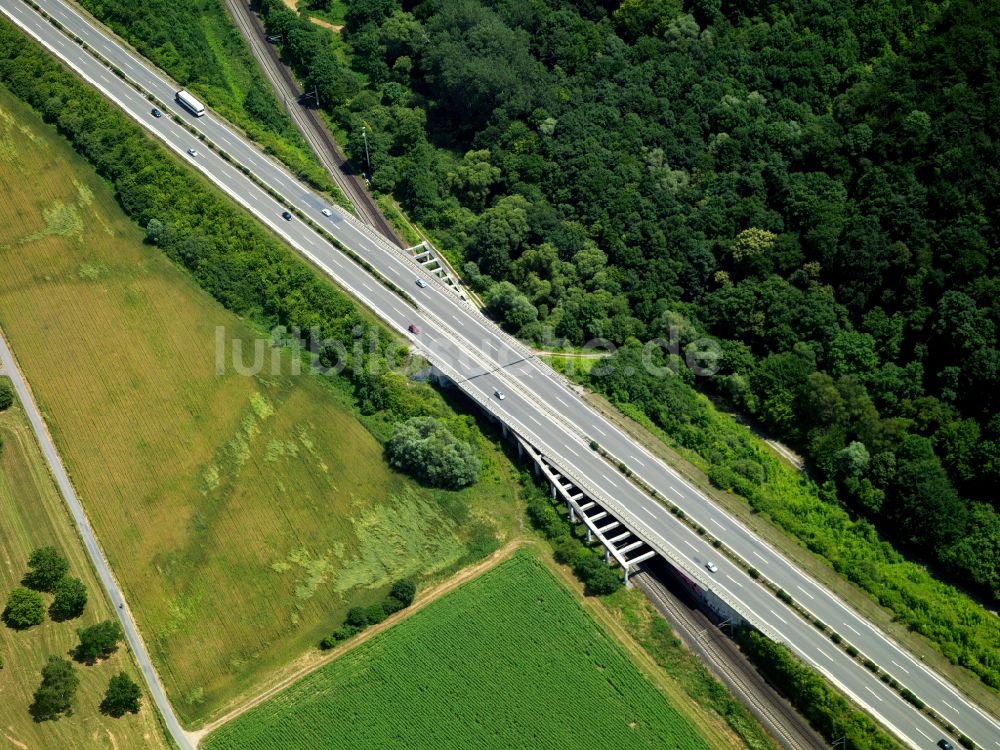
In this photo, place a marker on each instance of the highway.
(306, 119)
(540, 405)
(9, 368)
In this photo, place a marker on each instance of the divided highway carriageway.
(539, 404)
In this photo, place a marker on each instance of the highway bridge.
(540, 408)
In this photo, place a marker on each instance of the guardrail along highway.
(539, 405)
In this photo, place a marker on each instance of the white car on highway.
(326, 212)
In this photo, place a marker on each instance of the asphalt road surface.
(539, 405)
(9, 368)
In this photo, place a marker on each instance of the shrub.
(345, 631)
(46, 568)
(6, 395)
(597, 576)
(835, 637)
(404, 590)
(567, 551)
(24, 609)
(753, 573)
(852, 651)
(121, 697)
(98, 640)
(375, 613)
(392, 605)
(784, 596)
(71, 598)
(55, 695)
(909, 695)
(425, 448)
(357, 617)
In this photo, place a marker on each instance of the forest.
(811, 183)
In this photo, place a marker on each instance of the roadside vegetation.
(844, 330)
(634, 612)
(734, 460)
(832, 715)
(508, 656)
(244, 515)
(770, 176)
(196, 42)
(759, 173)
(33, 518)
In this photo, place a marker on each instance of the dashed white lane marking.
(609, 479)
(950, 706)
(599, 431)
(562, 402)
(532, 418)
(825, 654)
(926, 735)
(764, 559)
(717, 524)
(851, 629)
(879, 697)
(738, 584)
(572, 451)
(690, 545)
(779, 616)
(648, 512)
(804, 591)
(900, 667)
(636, 460)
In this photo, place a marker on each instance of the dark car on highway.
(286, 216)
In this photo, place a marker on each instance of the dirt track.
(313, 660)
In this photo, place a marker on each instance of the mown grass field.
(32, 515)
(509, 660)
(242, 515)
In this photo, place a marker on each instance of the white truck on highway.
(190, 103)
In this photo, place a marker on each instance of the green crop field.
(509, 660)
(242, 515)
(32, 515)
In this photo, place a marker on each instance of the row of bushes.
(962, 630)
(569, 548)
(827, 711)
(358, 618)
(198, 45)
(238, 262)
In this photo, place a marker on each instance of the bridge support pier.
(552, 489)
(572, 513)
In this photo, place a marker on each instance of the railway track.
(308, 122)
(724, 660)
